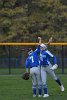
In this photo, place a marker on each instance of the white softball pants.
(36, 76)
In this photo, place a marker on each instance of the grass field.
(13, 87)
(18, 71)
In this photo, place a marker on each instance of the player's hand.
(54, 67)
(39, 38)
(50, 40)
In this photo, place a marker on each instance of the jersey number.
(32, 59)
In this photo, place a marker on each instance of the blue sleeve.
(50, 55)
(27, 63)
(55, 59)
(38, 49)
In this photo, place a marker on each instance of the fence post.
(62, 53)
(9, 61)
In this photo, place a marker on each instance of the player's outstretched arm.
(54, 67)
(40, 40)
(50, 40)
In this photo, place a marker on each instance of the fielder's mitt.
(25, 76)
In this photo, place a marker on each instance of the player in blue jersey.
(46, 67)
(32, 63)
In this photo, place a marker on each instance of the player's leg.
(34, 81)
(34, 84)
(38, 76)
(53, 75)
(44, 77)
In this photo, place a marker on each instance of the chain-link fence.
(12, 58)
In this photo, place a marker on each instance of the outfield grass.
(18, 71)
(13, 87)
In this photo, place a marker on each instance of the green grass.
(13, 87)
(18, 71)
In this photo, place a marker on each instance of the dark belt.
(33, 66)
(44, 65)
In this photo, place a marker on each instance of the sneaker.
(45, 95)
(62, 88)
(39, 95)
(34, 95)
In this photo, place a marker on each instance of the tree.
(30, 18)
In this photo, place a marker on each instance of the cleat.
(34, 95)
(62, 88)
(45, 95)
(39, 96)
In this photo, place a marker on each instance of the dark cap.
(29, 50)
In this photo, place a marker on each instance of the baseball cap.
(43, 46)
(29, 50)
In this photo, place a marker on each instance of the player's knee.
(54, 78)
(43, 83)
(34, 86)
(39, 86)
(44, 86)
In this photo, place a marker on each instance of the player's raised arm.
(40, 40)
(50, 40)
(38, 47)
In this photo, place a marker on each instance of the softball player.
(46, 67)
(32, 62)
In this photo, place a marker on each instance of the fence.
(13, 56)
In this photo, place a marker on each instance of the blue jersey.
(32, 60)
(44, 58)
